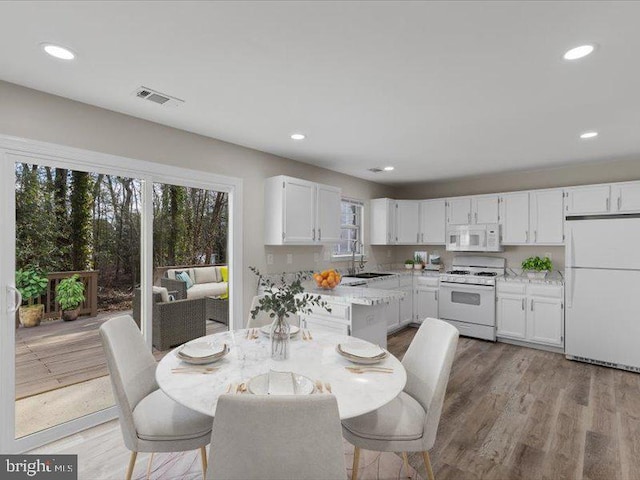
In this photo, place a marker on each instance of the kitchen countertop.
(355, 295)
(516, 275)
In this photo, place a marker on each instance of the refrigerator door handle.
(568, 288)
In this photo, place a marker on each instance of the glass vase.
(280, 337)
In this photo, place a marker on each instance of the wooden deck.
(58, 354)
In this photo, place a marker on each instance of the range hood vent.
(154, 96)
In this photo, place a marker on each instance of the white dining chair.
(149, 419)
(409, 423)
(263, 317)
(277, 438)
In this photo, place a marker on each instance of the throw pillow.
(224, 271)
(184, 276)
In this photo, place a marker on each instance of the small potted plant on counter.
(408, 264)
(417, 263)
(70, 295)
(537, 267)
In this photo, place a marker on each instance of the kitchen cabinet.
(511, 316)
(625, 197)
(407, 222)
(459, 211)
(532, 313)
(299, 212)
(425, 301)
(514, 218)
(485, 209)
(406, 302)
(382, 220)
(592, 199)
(328, 201)
(433, 219)
(547, 217)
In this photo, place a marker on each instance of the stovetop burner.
(486, 274)
(459, 272)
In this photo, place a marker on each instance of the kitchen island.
(358, 311)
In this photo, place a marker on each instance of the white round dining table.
(316, 359)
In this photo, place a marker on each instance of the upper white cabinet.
(514, 218)
(433, 215)
(407, 222)
(459, 211)
(299, 212)
(382, 219)
(547, 217)
(592, 199)
(485, 209)
(625, 197)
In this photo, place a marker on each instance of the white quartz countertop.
(356, 295)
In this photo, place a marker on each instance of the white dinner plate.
(361, 360)
(259, 385)
(266, 330)
(221, 352)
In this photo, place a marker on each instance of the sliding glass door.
(83, 243)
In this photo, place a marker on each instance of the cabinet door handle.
(418, 237)
(535, 235)
(319, 234)
(314, 234)
(527, 236)
(476, 216)
(436, 292)
(532, 305)
(607, 202)
(469, 217)
(619, 203)
(523, 304)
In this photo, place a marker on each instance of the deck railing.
(90, 304)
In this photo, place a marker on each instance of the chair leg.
(203, 457)
(149, 466)
(356, 460)
(427, 464)
(405, 459)
(132, 463)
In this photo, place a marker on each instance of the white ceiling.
(439, 90)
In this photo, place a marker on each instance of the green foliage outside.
(70, 293)
(31, 283)
(537, 264)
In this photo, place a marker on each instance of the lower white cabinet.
(531, 313)
(406, 304)
(425, 301)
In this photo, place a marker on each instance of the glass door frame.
(12, 150)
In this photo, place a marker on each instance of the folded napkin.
(201, 350)
(281, 383)
(361, 350)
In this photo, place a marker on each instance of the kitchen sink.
(370, 275)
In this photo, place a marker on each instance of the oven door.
(467, 239)
(467, 303)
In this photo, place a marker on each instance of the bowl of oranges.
(328, 279)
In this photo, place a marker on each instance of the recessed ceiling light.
(58, 52)
(589, 135)
(298, 136)
(579, 52)
(388, 169)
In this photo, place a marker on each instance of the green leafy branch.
(537, 264)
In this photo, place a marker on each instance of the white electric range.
(467, 296)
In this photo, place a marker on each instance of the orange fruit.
(325, 283)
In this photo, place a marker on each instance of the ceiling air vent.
(375, 170)
(157, 97)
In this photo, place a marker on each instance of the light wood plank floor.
(517, 413)
(510, 413)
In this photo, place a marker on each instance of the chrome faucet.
(353, 270)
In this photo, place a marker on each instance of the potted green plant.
(70, 295)
(408, 264)
(281, 299)
(537, 267)
(31, 282)
(417, 262)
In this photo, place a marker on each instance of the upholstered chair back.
(428, 364)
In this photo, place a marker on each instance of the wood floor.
(510, 413)
(517, 413)
(57, 354)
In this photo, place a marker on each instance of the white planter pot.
(541, 275)
(418, 267)
(408, 266)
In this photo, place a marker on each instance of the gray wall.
(40, 116)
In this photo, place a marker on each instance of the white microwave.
(474, 238)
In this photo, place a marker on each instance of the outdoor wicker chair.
(174, 322)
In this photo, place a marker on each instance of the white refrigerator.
(602, 288)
